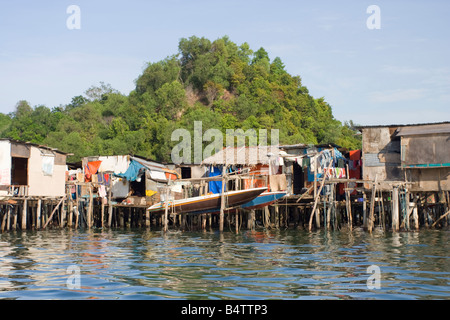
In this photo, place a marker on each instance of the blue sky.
(397, 74)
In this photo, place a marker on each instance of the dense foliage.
(224, 85)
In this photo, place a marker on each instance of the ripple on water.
(267, 265)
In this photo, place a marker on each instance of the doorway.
(19, 171)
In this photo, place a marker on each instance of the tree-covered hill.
(222, 84)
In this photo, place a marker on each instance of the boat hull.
(263, 200)
(208, 202)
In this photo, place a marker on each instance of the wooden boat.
(264, 199)
(208, 202)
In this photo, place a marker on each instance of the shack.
(302, 160)
(32, 179)
(125, 184)
(411, 163)
(31, 170)
(417, 155)
(252, 167)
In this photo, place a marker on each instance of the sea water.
(262, 264)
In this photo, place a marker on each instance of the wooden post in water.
(364, 211)
(12, 211)
(102, 212)
(13, 215)
(349, 211)
(415, 214)
(24, 214)
(316, 200)
(166, 211)
(110, 206)
(395, 209)
(222, 200)
(147, 218)
(348, 203)
(210, 221)
(330, 204)
(252, 219)
(63, 213)
(408, 209)
(8, 219)
(53, 212)
(90, 208)
(70, 219)
(372, 206)
(3, 222)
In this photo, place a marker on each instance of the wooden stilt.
(166, 211)
(408, 210)
(395, 209)
(15, 217)
(416, 216)
(8, 219)
(4, 221)
(77, 215)
(382, 218)
(330, 201)
(440, 218)
(90, 208)
(63, 213)
(24, 214)
(53, 212)
(349, 203)
(372, 206)
(252, 219)
(204, 221)
(349, 209)
(316, 200)
(147, 218)
(222, 200)
(110, 208)
(210, 221)
(102, 212)
(364, 211)
(70, 218)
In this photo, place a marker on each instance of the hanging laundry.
(215, 186)
(90, 169)
(102, 191)
(106, 179)
(306, 162)
(313, 163)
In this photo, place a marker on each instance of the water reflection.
(259, 264)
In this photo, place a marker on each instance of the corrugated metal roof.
(424, 129)
(242, 155)
(35, 145)
(401, 125)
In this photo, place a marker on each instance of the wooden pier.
(397, 210)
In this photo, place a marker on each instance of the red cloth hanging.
(90, 169)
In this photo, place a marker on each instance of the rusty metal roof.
(403, 125)
(424, 129)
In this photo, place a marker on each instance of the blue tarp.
(132, 172)
(215, 186)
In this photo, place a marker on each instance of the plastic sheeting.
(133, 172)
(48, 163)
(215, 186)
